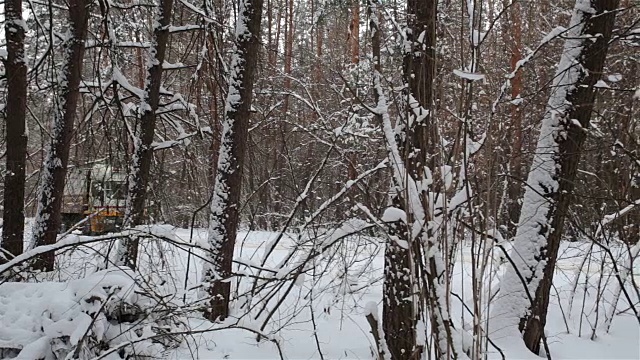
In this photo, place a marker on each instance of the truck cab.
(96, 193)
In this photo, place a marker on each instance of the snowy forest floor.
(323, 315)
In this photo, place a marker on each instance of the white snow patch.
(471, 76)
(393, 214)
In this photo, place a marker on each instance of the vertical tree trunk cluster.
(54, 169)
(414, 274)
(143, 152)
(224, 217)
(401, 303)
(551, 179)
(398, 300)
(16, 136)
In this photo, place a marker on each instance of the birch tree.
(16, 135)
(224, 216)
(524, 290)
(54, 168)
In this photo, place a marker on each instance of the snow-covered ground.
(341, 330)
(322, 314)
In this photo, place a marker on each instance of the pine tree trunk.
(553, 171)
(54, 169)
(354, 32)
(515, 161)
(318, 63)
(14, 181)
(288, 57)
(143, 152)
(272, 49)
(225, 216)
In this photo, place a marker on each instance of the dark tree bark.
(143, 152)
(14, 181)
(514, 191)
(398, 302)
(226, 191)
(354, 32)
(54, 169)
(597, 26)
(419, 72)
(551, 178)
(288, 55)
(421, 149)
(414, 276)
(398, 315)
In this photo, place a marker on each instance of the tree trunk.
(272, 49)
(398, 302)
(515, 160)
(143, 152)
(54, 169)
(14, 181)
(412, 285)
(318, 63)
(354, 32)
(419, 72)
(226, 191)
(288, 56)
(551, 178)
(421, 149)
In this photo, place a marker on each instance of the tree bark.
(398, 301)
(14, 181)
(515, 160)
(553, 171)
(419, 72)
(272, 49)
(288, 56)
(225, 216)
(54, 170)
(354, 32)
(413, 281)
(143, 152)
(419, 146)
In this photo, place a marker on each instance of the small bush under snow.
(81, 318)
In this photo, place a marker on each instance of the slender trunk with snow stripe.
(54, 168)
(16, 134)
(225, 216)
(550, 181)
(127, 254)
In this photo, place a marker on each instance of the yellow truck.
(97, 195)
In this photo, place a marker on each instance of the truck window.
(97, 191)
(116, 190)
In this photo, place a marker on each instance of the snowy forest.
(320, 179)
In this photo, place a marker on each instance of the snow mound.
(84, 317)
